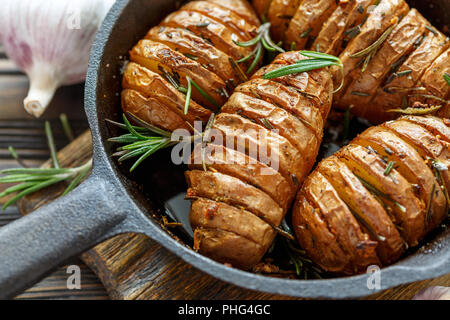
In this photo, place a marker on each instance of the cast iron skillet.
(109, 203)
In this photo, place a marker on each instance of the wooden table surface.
(27, 136)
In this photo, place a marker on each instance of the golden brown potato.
(384, 15)
(307, 21)
(261, 7)
(271, 126)
(316, 238)
(365, 208)
(219, 35)
(280, 13)
(228, 247)
(384, 179)
(218, 215)
(150, 84)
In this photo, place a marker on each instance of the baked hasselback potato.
(241, 199)
(196, 42)
(377, 196)
(394, 59)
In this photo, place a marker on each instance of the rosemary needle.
(447, 77)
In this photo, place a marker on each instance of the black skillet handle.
(35, 244)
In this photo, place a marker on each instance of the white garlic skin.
(50, 40)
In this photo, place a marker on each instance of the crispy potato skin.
(268, 115)
(355, 183)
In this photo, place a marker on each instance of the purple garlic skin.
(434, 293)
(50, 40)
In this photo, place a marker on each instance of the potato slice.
(236, 164)
(335, 30)
(366, 209)
(410, 165)
(289, 99)
(161, 59)
(214, 32)
(262, 145)
(408, 210)
(416, 64)
(228, 247)
(379, 20)
(151, 84)
(279, 14)
(241, 8)
(151, 111)
(307, 21)
(230, 190)
(341, 222)
(218, 215)
(224, 16)
(200, 50)
(399, 44)
(272, 117)
(316, 238)
(435, 85)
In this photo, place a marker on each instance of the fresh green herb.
(66, 126)
(389, 168)
(346, 131)
(139, 141)
(429, 96)
(317, 60)
(237, 68)
(366, 225)
(447, 77)
(368, 53)
(306, 33)
(262, 40)
(394, 89)
(430, 204)
(30, 180)
(293, 46)
(437, 167)
(416, 111)
(432, 30)
(191, 83)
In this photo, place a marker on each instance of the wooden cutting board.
(132, 266)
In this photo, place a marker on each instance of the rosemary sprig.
(317, 60)
(30, 180)
(368, 53)
(140, 141)
(262, 40)
(447, 77)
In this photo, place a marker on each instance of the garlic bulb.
(433, 293)
(50, 41)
